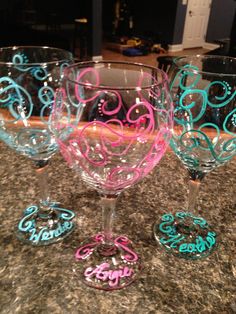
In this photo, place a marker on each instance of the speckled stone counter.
(41, 280)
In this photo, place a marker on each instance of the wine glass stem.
(42, 174)
(108, 204)
(194, 186)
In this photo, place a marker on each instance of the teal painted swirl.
(204, 133)
(227, 95)
(180, 79)
(230, 120)
(185, 240)
(191, 105)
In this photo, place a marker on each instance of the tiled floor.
(150, 59)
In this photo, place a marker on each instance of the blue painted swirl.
(36, 233)
(26, 97)
(16, 99)
(20, 61)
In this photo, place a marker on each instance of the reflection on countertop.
(41, 280)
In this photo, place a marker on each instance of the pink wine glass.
(112, 121)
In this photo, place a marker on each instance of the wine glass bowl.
(29, 77)
(112, 121)
(204, 137)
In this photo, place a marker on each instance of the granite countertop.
(41, 280)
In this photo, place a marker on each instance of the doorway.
(196, 23)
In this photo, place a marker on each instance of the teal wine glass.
(204, 137)
(29, 77)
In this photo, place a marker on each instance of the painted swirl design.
(205, 118)
(86, 250)
(114, 138)
(123, 242)
(28, 225)
(26, 98)
(185, 242)
(20, 61)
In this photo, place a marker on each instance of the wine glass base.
(37, 229)
(107, 266)
(185, 235)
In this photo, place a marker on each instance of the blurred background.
(90, 28)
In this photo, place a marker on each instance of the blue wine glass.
(29, 77)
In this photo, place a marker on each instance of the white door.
(196, 22)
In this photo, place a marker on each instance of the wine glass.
(204, 137)
(29, 77)
(112, 121)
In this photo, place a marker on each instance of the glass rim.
(200, 57)
(12, 48)
(85, 64)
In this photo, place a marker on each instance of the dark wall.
(108, 17)
(221, 19)
(22, 20)
(179, 23)
(155, 17)
(95, 48)
(66, 10)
